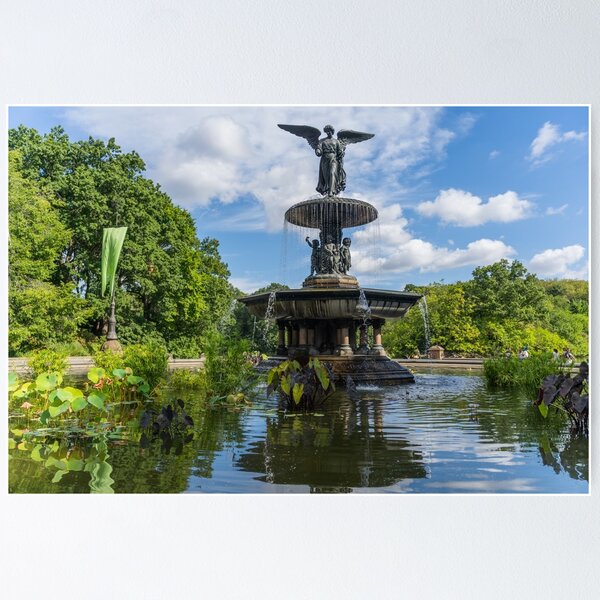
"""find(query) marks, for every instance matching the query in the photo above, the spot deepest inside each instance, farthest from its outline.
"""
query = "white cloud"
(548, 136)
(457, 207)
(560, 262)
(202, 154)
(556, 211)
(494, 154)
(390, 247)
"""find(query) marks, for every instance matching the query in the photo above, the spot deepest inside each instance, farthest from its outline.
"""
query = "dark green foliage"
(502, 308)
(187, 379)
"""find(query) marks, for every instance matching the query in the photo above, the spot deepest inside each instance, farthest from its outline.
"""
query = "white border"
(352, 547)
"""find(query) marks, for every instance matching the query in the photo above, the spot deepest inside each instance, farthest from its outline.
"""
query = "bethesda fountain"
(331, 316)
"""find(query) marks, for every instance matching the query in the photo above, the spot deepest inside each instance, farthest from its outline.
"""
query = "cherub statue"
(345, 259)
(332, 177)
(315, 257)
(330, 258)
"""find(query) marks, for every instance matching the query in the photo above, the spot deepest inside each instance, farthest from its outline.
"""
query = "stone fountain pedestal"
(330, 323)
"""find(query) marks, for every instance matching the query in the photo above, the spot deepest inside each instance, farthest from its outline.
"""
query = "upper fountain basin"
(342, 212)
(331, 303)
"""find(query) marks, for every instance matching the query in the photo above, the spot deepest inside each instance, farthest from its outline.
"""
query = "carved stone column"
(345, 348)
(281, 347)
(302, 334)
(378, 348)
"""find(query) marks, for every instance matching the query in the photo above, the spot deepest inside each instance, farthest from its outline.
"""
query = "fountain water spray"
(425, 314)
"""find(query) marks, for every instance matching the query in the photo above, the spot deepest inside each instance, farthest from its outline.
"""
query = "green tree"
(506, 290)
(171, 286)
(40, 314)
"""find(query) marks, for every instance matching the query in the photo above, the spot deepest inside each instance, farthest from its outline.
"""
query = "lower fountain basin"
(331, 303)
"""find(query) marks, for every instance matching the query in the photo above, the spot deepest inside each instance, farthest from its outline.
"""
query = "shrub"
(48, 361)
(226, 365)
(74, 348)
(108, 360)
(149, 361)
(527, 373)
(184, 378)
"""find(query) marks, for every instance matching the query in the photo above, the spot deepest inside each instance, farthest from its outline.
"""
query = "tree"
(40, 313)
(171, 286)
(505, 290)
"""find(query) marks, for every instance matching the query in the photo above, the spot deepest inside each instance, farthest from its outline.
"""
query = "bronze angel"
(332, 177)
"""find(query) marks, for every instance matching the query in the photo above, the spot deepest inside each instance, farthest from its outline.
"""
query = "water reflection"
(338, 451)
(446, 433)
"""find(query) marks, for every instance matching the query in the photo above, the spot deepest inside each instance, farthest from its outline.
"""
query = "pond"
(447, 433)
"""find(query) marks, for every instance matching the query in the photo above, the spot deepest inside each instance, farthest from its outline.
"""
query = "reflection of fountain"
(330, 311)
(425, 314)
(338, 451)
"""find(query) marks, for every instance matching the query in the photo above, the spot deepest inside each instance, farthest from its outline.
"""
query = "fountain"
(325, 316)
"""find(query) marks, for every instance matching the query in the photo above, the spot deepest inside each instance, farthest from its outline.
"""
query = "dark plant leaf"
(163, 420)
(579, 403)
(145, 420)
(566, 386)
(181, 403)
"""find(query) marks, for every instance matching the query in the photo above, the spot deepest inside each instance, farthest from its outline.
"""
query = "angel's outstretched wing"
(347, 136)
(310, 134)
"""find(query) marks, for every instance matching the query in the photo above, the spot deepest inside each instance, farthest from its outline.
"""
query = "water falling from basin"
(425, 314)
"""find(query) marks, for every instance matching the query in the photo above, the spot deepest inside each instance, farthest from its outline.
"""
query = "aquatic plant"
(567, 394)
(149, 360)
(301, 386)
(528, 373)
(186, 378)
(227, 366)
(103, 392)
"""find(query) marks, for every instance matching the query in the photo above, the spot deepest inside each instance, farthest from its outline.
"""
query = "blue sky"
(456, 187)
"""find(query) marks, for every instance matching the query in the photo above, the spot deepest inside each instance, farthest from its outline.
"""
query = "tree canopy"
(171, 285)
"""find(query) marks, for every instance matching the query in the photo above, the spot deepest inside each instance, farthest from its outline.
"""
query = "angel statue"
(332, 177)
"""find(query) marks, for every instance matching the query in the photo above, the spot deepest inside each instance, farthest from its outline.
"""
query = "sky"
(455, 187)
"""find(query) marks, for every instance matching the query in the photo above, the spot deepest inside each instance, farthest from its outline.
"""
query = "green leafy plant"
(512, 372)
(42, 361)
(103, 392)
(227, 367)
(185, 378)
(302, 386)
(149, 360)
(108, 360)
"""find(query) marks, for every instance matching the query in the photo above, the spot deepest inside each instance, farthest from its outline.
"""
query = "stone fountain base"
(331, 281)
(362, 369)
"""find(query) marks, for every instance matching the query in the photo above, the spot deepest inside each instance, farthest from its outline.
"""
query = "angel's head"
(329, 130)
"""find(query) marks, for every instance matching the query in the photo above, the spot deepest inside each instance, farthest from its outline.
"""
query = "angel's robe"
(332, 177)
